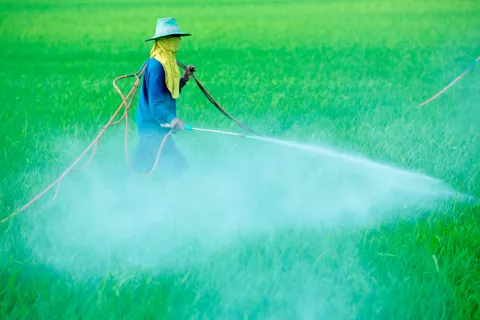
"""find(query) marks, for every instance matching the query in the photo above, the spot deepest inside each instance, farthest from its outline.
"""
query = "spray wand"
(191, 128)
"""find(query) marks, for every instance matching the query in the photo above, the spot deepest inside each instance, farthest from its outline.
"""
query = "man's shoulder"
(154, 65)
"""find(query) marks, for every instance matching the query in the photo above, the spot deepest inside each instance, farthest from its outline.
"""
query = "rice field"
(256, 232)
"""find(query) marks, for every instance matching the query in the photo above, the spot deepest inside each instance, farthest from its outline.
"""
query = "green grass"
(346, 73)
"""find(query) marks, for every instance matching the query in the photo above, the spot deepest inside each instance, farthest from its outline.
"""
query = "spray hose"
(127, 102)
(215, 103)
(470, 67)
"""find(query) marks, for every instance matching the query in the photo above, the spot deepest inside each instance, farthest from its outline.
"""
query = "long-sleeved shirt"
(155, 104)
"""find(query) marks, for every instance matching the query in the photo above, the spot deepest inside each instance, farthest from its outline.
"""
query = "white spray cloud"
(104, 220)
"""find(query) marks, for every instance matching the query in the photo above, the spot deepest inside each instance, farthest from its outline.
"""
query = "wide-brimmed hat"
(167, 27)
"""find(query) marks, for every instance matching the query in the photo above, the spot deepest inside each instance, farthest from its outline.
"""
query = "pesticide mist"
(249, 212)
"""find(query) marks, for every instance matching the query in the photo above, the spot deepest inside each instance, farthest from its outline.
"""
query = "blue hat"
(167, 27)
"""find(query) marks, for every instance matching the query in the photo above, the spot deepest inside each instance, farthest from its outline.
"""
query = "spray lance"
(190, 128)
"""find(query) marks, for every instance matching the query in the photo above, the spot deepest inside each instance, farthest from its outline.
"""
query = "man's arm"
(186, 76)
(156, 97)
(183, 82)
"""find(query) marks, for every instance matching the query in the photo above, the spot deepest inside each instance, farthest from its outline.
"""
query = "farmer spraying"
(159, 92)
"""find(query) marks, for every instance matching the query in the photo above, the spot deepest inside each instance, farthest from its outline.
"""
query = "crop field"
(254, 230)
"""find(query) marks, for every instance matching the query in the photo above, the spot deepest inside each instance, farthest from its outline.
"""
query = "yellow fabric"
(164, 50)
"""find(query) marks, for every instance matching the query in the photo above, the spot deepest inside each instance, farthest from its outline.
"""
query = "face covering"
(164, 51)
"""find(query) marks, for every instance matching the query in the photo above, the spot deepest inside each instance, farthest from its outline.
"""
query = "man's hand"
(189, 70)
(177, 124)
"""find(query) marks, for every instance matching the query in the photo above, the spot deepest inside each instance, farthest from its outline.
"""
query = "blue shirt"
(155, 104)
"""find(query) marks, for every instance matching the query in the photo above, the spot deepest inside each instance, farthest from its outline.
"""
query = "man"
(161, 87)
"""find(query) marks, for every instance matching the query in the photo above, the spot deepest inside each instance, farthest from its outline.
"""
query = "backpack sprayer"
(126, 103)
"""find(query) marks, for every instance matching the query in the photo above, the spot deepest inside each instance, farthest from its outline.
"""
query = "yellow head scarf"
(164, 51)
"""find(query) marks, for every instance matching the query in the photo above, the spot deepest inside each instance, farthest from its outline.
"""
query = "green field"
(342, 73)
